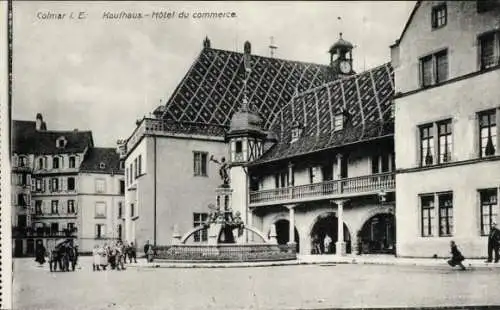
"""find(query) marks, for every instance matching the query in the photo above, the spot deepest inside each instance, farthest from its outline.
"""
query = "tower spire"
(246, 63)
(272, 47)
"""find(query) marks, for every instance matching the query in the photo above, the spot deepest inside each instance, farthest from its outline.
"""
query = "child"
(456, 256)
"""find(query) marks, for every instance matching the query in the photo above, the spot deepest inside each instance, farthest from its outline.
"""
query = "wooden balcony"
(344, 188)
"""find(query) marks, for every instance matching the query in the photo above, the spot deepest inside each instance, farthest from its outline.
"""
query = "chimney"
(39, 123)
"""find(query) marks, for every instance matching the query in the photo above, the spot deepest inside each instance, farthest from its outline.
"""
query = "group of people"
(64, 256)
(113, 255)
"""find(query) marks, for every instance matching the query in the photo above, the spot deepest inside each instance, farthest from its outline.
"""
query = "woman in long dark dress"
(456, 257)
(40, 254)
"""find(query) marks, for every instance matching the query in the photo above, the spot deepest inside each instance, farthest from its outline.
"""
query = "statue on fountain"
(228, 223)
(223, 170)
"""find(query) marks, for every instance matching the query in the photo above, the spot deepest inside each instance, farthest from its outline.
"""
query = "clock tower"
(341, 58)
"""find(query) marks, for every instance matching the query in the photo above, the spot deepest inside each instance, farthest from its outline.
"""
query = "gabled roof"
(212, 89)
(415, 8)
(366, 97)
(27, 140)
(101, 160)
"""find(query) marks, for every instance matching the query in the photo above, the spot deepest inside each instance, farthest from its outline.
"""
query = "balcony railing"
(350, 186)
(18, 232)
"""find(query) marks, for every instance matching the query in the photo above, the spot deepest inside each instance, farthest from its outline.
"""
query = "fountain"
(229, 239)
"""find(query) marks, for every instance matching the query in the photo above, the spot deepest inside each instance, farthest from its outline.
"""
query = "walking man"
(493, 243)
(132, 253)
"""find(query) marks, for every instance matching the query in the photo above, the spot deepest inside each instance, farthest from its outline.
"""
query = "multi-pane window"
(120, 209)
(40, 163)
(20, 200)
(38, 185)
(139, 161)
(122, 187)
(71, 227)
(426, 145)
(281, 179)
(54, 227)
(434, 68)
(72, 162)
(427, 215)
(200, 164)
(135, 170)
(54, 185)
(100, 231)
(100, 186)
(55, 162)
(100, 209)
(445, 141)
(487, 133)
(445, 214)
(71, 184)
(488, 45)
(489, 209)
(54, 207)
(198, 220)
(71, 206)
(38, 207)
(22, 161)
(439, 16)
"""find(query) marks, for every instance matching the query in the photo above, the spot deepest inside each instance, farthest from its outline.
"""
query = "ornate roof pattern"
(366, 97)
(212, 89)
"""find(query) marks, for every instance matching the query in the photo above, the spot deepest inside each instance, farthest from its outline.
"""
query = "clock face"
(345, 67)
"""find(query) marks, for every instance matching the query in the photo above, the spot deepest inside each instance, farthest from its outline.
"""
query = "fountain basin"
(254, 252)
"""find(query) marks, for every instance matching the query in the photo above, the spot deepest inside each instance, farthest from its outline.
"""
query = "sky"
(102, 74)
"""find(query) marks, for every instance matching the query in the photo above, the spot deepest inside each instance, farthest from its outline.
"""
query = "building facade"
(447, 112)
(101, 193)
(237, 109)
(46, 184)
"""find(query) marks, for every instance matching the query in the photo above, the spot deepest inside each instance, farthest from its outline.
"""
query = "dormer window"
(296, 131)
(61, 142)
(102, 165)
(338, 122)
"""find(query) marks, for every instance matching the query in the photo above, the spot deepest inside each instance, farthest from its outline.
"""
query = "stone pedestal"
(273, 235)
(341, 248)
(213, 233)
(176, 236)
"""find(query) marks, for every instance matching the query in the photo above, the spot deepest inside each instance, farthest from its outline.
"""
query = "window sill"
(201, 175)
(99, 217)
(449, 164)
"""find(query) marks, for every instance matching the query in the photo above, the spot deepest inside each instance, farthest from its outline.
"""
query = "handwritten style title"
(126, 15)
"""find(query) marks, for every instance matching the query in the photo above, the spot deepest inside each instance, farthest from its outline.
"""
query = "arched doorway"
(325, 227)
(283, 233)
(378, 234)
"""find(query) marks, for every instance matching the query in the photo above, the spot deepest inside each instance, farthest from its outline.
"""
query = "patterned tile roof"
(27, 140)
(97, 155)
(367, 97)
(212, 89)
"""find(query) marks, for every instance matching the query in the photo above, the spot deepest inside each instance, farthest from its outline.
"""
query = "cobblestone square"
(278, 287)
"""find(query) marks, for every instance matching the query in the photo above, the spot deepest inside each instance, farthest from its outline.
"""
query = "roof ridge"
(275, 58)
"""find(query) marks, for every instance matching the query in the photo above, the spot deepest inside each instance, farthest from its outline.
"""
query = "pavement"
(370, 259)
(322, 284)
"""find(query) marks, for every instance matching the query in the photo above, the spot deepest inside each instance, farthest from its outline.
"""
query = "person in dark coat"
(493, 243)
(456, 257)
(40, 254)
(132, 253)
